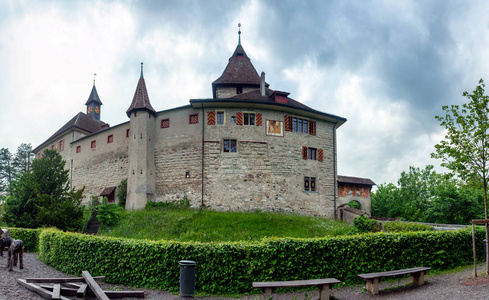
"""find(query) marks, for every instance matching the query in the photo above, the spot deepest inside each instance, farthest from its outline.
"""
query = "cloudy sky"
(386, 66)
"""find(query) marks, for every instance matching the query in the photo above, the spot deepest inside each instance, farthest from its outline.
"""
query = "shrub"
(406, 227)
(230, 268)
(30, 237)
(364, 224)
(108, 214)
(122, 193)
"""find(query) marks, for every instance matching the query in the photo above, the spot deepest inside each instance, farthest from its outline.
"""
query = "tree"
(22, 159)
(42, 197)
(6, 169)
(122, 192)
(465, 149)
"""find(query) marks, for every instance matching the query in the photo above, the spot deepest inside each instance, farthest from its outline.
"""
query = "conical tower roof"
(239, 70)
(141, 98)
(93, 96)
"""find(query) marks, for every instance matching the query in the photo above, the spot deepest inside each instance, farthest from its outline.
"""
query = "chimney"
(262, 83)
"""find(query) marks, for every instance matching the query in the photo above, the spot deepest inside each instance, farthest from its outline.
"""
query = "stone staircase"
(94, 224)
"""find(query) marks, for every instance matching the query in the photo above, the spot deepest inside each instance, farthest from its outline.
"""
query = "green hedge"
(230, 268)
(406, 227)
(30, 237)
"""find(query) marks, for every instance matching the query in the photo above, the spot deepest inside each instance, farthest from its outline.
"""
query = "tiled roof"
(141, 98)
(239, 70)
(93, 97)
(256, 95)
(107, 191)
(82, 122)
(356, 180)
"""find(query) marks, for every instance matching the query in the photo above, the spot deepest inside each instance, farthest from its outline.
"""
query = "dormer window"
(239, 56)
(239, 90)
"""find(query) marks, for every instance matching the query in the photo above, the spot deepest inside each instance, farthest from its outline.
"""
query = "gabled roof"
(355, 180)
(256, 95)
(141, 98)
(93, 96)
(239, 70)
(81, 122)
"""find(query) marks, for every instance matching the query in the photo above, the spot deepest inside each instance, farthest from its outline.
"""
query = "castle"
(247, 148)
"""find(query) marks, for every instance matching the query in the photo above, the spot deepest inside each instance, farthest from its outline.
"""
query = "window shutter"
(211, 118)
(258, 120)
(320, 154)
(312, 127)
(288, 123)
(239, 118)
(304, 152)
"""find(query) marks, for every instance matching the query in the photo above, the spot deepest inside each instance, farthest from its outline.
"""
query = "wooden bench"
(372, 279)
(324, 286)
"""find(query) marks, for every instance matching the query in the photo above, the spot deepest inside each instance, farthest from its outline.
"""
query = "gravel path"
(458, 285)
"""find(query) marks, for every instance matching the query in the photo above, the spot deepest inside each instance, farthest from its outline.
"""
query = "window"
(299, 125)
(233, 119)
(110, 138)
(78, 149)
(165, 123)
(310, 184)
(93, 144)
(127, 133)
(220, 117)
(61, 146)
(239, 90)
(53, 147)
(193, 119)
(229, 146)
(249, 119)
(312, 153)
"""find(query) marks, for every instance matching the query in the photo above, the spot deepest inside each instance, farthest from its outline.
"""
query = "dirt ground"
(460, 285)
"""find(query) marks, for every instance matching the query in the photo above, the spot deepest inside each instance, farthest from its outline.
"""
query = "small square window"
(310, 184)
(110, 138)
(78, 149)
(233, 119)
(249, 119)
(93, 144)
(229, 145)
(220, 118)
(312, 153)
(165, 123)
(194, 119)
(239, 90)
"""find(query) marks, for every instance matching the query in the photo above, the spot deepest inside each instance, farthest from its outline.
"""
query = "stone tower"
(141, 171)
(93, 104)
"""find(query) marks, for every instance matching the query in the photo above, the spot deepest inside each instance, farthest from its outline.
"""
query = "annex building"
(249, 147)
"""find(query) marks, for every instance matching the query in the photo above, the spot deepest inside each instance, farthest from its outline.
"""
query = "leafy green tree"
(42, 197)
(455, 204)
(385, 201)
(465, 149)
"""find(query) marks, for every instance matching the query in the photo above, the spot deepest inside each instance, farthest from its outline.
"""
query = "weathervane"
(141, 69)
(94, 74)
(239, 33)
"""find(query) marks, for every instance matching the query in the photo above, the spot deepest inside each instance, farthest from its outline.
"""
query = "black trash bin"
(187, 278)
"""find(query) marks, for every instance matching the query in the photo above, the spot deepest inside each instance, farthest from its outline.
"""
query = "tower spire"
(141, 69)
(239, 33)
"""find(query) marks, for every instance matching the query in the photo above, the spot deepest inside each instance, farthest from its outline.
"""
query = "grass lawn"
(212, 226)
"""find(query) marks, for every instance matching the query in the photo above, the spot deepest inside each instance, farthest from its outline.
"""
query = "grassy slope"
(212, 226)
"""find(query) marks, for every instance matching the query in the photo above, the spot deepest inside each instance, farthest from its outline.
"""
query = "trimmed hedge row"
(30, 237)
(230, 268)
(406, 227)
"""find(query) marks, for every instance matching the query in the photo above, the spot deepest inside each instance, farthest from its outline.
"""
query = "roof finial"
(239, 33)
(94, 74)
(141, 70)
